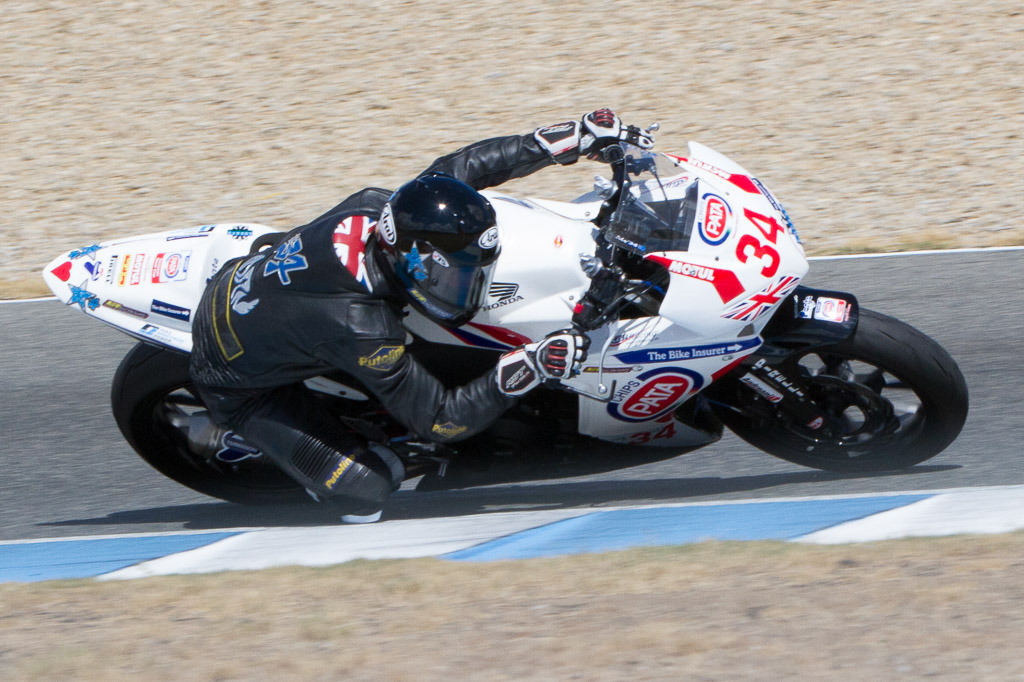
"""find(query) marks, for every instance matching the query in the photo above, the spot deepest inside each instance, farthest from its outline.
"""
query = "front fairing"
(729, 247)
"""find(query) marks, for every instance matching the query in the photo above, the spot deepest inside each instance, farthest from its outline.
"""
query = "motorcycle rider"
(331, 296)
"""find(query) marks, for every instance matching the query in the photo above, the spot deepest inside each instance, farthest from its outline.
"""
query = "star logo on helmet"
(415, 266)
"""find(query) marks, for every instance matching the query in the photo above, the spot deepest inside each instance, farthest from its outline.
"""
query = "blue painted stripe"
(85, 558)
(625, 528)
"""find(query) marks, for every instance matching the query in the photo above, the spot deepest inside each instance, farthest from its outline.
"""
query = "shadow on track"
(416, 505)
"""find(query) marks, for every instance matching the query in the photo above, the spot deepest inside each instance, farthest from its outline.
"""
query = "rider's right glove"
(559, 356)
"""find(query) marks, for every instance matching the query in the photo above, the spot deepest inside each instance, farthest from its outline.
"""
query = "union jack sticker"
(753, 307)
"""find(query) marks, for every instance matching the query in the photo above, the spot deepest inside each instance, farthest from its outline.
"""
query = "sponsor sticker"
(439, 259)
(89, 251)
(121, 308)
(159, 334)
(505, 293)
(82, 298)
(338, 472)
(234, 449)
(382, 359)
(192, 232)
(111, 269)
(651, 355)
(653, 393)
(386, 225)
(761, 388)
(95, 269)
(830, 309)
(170, 310)
(448, 430)
(62, 272)
(138, 263)
(715, 219)
(240, 232)
(428, 305)
(170, 267)
(489, 239)
(826, 309)
(725, 282)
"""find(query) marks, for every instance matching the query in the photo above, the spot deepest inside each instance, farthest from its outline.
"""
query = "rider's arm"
(375, 354)
(489, 163)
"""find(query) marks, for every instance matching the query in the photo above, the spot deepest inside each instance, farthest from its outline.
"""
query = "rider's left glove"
(558, 356)
(603, 128)
(566, 141)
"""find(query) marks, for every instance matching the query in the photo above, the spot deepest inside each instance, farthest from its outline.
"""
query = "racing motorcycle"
(683, 271)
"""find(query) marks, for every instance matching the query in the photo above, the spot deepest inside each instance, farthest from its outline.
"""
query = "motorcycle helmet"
(437, 241)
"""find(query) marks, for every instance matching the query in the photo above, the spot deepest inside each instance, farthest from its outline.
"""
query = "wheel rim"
(870, 408)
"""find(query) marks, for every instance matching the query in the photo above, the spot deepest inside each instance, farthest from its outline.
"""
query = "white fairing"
(741, 261)
(148, 286)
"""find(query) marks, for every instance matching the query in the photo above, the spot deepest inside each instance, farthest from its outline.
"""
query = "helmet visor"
(446, 291)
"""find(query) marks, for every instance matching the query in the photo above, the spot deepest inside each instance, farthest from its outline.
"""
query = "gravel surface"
(946, 609)
(879, 124)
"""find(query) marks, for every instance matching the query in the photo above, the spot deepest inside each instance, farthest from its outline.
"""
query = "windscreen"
(658, 206)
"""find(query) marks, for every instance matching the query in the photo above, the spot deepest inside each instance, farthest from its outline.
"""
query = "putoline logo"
(386, 225)
(654, 393)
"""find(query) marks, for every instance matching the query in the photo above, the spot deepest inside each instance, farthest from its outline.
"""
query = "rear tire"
(153, 399)
(898, 395)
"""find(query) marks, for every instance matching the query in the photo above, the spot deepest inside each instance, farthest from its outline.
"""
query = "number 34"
(749, 245)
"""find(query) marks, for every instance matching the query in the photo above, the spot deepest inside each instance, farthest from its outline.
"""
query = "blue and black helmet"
(439, 237)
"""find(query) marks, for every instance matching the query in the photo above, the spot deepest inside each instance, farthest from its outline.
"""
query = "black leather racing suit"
(271, 320)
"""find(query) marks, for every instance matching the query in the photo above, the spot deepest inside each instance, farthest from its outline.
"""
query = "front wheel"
(894, 397)
(155, 405)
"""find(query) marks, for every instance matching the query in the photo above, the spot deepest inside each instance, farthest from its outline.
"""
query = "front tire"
(897, 397)
(154, 402)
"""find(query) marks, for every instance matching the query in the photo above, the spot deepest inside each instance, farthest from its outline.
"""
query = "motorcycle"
(683, 271)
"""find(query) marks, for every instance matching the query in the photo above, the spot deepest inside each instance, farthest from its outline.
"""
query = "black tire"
(152, 398)
(900, 397)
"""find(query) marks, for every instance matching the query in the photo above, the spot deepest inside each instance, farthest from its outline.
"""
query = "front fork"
(775, 387)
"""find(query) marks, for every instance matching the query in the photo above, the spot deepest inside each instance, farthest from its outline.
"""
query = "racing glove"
(558, 356)
(566, 141)
(603, 128)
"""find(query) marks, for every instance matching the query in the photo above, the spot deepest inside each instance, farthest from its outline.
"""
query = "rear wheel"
(893, 396)
(155, 404)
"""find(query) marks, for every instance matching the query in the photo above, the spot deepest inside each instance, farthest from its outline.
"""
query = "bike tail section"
(148, 286)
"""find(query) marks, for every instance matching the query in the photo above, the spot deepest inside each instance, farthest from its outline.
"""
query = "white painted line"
(955, 513)
(27, 300)
(328, 545)
(933, 252)
(118, 536)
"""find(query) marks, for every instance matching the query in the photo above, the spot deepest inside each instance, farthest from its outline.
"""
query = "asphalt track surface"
(65, 470)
